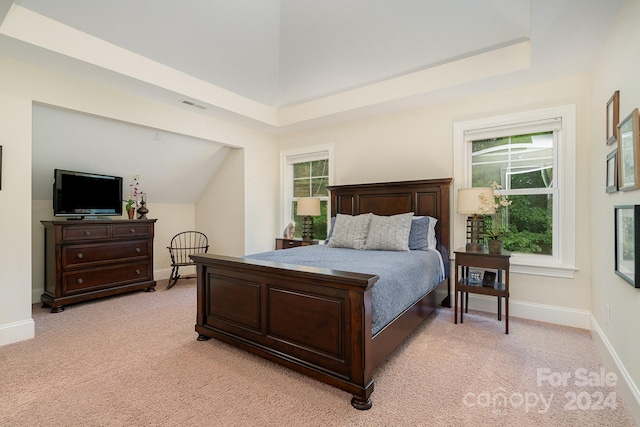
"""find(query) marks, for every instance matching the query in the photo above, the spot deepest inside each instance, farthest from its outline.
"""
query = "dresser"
(90, 259)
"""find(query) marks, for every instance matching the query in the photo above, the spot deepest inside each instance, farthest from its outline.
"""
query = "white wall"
(618, 68)
(417, 144)
(15, 226)
(21, 85)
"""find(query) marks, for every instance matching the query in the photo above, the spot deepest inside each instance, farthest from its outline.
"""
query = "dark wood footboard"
(312, 320)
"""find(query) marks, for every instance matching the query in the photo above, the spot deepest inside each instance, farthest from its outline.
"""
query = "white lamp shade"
(476, 200)
(308, 206)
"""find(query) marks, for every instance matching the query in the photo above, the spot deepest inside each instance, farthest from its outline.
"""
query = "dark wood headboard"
(425, 197)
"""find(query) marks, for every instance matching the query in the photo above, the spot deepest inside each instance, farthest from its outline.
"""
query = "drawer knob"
(138, 272)
(132, 231)
(80, 281)
(80, 256)
(138, 250)
(87, 233)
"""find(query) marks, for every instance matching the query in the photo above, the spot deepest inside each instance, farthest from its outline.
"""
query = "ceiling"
(280, 66)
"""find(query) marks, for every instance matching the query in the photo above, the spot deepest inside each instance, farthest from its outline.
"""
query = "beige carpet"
(133, 360)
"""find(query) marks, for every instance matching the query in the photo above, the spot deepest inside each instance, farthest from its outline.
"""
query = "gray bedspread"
(405, 276)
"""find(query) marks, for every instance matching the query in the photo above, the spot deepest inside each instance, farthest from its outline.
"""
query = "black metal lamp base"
(307, 228)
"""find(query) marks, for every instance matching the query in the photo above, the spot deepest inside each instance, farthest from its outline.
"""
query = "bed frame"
(313, 320)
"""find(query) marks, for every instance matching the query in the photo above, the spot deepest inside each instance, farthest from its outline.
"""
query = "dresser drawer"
(95, 254)
(106, 277)
(88, 232)
(132, 230)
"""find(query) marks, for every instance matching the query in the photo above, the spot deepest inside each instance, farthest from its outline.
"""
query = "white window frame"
(562, 262)
(298, 155)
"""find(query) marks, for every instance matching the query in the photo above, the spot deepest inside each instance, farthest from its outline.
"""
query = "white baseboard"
(628, 388)
(17, 331)
(526, 310)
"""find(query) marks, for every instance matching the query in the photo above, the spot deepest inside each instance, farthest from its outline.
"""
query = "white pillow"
(431, 235)
(389, 233)
(350, 231)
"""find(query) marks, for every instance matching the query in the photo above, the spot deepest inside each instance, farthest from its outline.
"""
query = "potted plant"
(494, 233)
(131, 201)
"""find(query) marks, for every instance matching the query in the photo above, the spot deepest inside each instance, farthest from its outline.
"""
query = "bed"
(318, 320)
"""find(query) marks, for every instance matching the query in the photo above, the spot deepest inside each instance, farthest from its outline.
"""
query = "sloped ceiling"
(284, 65)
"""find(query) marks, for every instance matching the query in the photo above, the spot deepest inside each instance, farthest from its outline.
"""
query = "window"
(306, 173)
(531, 156)
(522, 166)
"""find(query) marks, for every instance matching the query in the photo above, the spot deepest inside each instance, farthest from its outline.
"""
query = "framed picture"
(475, 276)
(629, 153)
(489, 279)
(613, 117)
(612, 171)
(627, 242)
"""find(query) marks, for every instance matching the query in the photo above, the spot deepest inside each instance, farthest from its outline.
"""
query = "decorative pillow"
(431, 236)
(333, 222)
(423, 233)
(418, 240)
(350, 231)
(389, 233)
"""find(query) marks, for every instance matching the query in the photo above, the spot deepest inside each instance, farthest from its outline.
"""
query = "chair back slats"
(187, 243)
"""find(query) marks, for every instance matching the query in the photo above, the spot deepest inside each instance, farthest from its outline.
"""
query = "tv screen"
(80, 194)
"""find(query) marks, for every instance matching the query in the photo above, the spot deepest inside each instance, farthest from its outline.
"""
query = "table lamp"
(475, 201)
(308, 207)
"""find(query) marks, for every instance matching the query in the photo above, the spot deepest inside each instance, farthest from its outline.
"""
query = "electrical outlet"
(608, 314)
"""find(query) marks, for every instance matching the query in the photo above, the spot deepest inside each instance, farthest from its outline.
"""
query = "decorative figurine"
(289, 231)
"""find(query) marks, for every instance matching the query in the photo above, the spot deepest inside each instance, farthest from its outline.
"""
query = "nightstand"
(293, 243)
(464, 284)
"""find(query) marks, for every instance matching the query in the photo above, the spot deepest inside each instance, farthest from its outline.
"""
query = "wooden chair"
(182, 245)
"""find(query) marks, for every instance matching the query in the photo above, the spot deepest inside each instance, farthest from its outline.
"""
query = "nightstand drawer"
(294, 243)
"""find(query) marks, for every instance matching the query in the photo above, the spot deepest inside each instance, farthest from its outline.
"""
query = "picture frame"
(612, 171)
(489, 279)
(613, 117)
(629, 152)
(627, 242)
(474, 276)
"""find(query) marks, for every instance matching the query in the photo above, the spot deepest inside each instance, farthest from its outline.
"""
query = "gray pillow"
(418, 240)
(423, 233)
(389, 233)
(350, 231)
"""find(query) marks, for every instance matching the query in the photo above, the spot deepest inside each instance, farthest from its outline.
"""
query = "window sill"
(543, 270)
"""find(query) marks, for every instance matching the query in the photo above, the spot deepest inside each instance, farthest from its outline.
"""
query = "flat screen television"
(82, 194)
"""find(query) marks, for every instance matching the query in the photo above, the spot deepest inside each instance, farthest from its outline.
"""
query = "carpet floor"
(133, 360)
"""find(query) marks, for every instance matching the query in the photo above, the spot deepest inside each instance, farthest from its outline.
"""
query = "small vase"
(131, 212)
(495, 246)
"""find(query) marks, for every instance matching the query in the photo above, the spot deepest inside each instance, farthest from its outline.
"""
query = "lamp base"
(475, 247)
(307, 228)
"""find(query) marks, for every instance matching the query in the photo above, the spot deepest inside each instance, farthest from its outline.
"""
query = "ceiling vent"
(192, 104)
